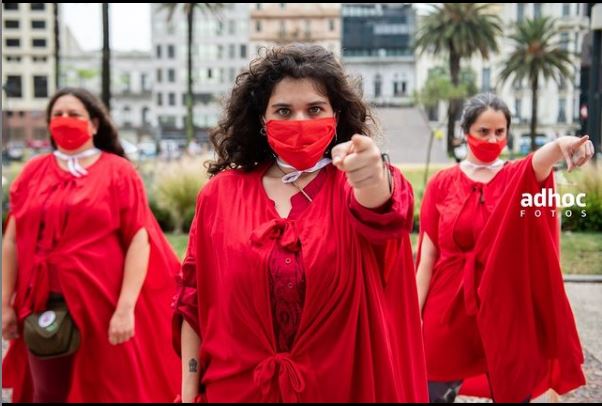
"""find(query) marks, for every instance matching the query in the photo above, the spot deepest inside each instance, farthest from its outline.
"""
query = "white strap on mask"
(73, 161)
(495, 165)
(293, 176)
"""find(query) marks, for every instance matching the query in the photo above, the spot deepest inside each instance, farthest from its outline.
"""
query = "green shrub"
(589, 181)
(164, 217)
(176, 186)
(188, 219)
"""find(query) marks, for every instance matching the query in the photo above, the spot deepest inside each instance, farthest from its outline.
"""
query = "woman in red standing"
(80, 232)
(489, 281)
(298, 282)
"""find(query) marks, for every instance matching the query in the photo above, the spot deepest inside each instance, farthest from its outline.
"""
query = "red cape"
(359, 336)
(513, 293)
(94, 219)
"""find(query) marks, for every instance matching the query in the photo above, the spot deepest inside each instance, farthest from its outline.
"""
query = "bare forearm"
(544, 160)
(423, 281)
(9, 264)
(191, 368)
(136, 267)
(376, 195)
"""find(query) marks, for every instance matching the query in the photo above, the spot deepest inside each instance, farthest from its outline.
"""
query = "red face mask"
(69, 132)
(486, 151)
(301, 143)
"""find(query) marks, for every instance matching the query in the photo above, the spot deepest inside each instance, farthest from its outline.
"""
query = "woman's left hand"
(121, 327)
(577, 151)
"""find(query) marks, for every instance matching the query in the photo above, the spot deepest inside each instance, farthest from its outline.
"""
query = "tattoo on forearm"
(193, 365)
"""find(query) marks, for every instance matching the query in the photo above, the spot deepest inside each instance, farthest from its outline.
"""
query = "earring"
(262, 132)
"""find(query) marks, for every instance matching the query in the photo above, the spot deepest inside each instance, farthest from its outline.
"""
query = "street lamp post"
(595, 88)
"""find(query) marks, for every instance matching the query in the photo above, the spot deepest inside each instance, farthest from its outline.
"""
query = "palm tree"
(535, 57)
(189, 11)
(460, 30)
(106, 58)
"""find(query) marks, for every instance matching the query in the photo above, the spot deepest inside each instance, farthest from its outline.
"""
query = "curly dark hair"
(106, 137)
(237, 139)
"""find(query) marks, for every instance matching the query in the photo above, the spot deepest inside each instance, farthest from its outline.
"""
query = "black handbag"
(51, 333)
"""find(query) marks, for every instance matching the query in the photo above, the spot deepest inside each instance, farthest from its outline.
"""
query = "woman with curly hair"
(298, 279)
(85, 264)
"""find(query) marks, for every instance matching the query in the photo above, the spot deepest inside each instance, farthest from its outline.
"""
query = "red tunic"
(359, 335)
(88, 225)
(492, 266)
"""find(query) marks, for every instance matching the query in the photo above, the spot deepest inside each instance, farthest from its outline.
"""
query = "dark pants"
(51, 378)
(446, 392)
(443, 392)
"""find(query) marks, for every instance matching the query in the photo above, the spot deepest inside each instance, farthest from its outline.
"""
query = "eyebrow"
(315, 103)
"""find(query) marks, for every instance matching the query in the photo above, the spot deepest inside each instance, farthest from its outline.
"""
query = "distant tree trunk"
(106, 58)
(189, 101)
(534, 95)
(57, 54)
(452, 110)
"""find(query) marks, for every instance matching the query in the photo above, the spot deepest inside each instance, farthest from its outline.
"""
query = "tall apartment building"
(220, 52)
(274, 24)
(28, 66)
(378, 49)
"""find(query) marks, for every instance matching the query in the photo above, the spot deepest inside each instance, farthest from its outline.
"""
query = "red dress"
(358, 337)
(496, 302)
(88, 224)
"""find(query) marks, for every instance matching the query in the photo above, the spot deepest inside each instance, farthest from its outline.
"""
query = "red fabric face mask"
(486, 151)
(301, 143)
(69, 133)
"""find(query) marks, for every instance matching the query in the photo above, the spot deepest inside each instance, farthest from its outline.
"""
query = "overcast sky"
(130, 24)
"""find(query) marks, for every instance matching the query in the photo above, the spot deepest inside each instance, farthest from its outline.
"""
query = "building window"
(562, 110)
(564, 40)
(231, 51)
(13, 86)
(38, 6)
(159, 99)
(11, 6)
(486, 80)
(172, 99)
(231, 27)
(143, 81)
(220, 28)
(40, 59)
(520, 12)
(40, 86)
(536, 10)
(257, 6)
(38, 43)
(258, 26)
(282, 6)
(243, 51)
(158, 51)
(8, 24)
(145, 119)
(220, 52)
(38, 24)
(518, 104)
(232, 74)
(159, 75)
(331, 25)
(566, 9)
(171, 75)
(127, 116)
(13, 42)
(11, 58)
(209, 73)
(171, 51)
(378, 84)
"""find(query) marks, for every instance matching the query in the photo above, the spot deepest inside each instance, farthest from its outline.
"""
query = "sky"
(129, 22)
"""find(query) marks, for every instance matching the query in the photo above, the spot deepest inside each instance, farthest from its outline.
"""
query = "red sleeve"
(185, 304)
(388, 221)
(132, 205)
(429, 215)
